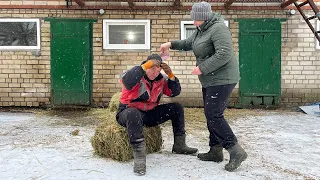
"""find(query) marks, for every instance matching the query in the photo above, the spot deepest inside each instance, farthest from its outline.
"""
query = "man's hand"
(150, 63)
(196, 71)
(167, 70)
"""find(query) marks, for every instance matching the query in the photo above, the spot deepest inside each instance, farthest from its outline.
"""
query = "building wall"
(300, 63)
(25, 75)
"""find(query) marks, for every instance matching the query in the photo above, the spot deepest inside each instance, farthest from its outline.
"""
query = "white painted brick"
(309, 67)
(287, 76)
(305, 63)
(292, 63)
(297, 31)
(4, 2)
(305, 53)
(312, 86)
(295, 72)
(28, 2)
(16, 3)
(303, 44)
(308, 72)
(299, 76)
(297, 67)
(311, 77)
(297, 86)
(308, 39)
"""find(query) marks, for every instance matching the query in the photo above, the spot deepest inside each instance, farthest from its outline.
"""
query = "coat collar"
(214, 18)
(159, 77)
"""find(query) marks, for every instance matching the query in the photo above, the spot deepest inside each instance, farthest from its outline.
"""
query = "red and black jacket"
(141, 93)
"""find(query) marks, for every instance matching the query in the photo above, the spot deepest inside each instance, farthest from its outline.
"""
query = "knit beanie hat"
(201, 11)
(153, 56)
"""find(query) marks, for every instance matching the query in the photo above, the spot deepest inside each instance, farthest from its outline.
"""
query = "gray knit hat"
(201, 11)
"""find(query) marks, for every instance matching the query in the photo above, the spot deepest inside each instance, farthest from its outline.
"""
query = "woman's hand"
(164, 49)
(196, 71)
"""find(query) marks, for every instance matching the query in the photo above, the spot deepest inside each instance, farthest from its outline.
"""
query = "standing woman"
(218, 71)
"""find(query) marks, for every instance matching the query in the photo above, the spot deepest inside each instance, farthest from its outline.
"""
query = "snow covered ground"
(280, 145)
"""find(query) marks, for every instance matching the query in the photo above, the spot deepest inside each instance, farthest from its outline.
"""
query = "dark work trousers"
(134, 119)
(215, 100)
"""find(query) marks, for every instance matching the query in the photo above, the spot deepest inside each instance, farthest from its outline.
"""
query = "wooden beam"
(287, 3)
(79, 2)
(228, 3)
(170, 8)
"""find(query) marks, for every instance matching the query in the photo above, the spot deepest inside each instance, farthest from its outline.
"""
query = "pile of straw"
(111, 140)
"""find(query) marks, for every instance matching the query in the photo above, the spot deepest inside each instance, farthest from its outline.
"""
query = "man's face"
(153, 72)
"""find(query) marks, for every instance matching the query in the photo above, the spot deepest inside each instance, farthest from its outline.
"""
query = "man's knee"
(131, 116)
(132, 112)
(177, 107)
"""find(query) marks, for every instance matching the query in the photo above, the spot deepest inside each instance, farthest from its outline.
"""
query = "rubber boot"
(139, 154)
(237, 156)
(215, 154)
(180, 146)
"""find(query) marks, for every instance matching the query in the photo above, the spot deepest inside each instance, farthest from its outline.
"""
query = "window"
(19, 34)
(187, 28)
(318, 29)
(126, 34)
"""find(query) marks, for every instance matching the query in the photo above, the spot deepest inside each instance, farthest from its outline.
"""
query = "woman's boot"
(237, 156)
(215, 154)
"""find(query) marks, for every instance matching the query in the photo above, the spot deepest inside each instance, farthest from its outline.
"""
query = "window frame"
(105, 37)
(37, 21)
(185, 24)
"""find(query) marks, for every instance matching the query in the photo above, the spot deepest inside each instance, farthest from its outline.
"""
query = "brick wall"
(25, 77)
(300, 63)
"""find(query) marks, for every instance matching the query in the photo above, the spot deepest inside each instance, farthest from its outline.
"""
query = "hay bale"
(114, 102)
(111, 140)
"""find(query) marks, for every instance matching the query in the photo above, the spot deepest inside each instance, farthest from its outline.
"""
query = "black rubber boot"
(237, 156)
(180, 146)
(139, 154)
(215, 154)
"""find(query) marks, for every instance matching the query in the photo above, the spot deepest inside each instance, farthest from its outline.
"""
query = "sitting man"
(142, 89)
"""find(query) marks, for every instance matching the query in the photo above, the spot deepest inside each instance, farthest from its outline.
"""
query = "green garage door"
(71, 61)
(260, 61)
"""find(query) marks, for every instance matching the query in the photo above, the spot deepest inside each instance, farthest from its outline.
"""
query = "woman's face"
(153, 72)
(198, 23)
